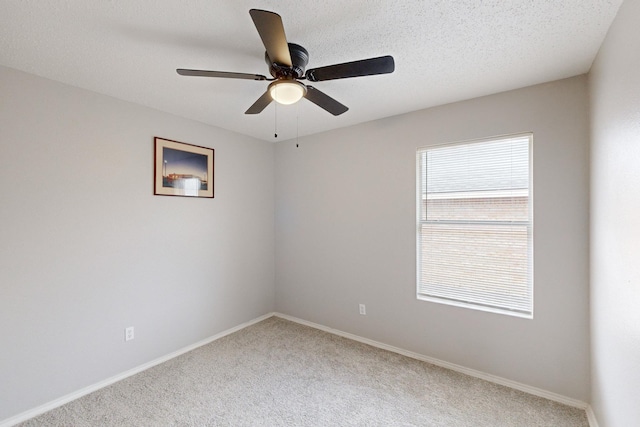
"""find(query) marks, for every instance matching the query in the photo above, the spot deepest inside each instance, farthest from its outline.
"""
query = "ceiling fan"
(287, 62)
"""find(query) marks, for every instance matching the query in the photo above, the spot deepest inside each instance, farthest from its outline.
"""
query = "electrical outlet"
(363, 309)
(128, 333)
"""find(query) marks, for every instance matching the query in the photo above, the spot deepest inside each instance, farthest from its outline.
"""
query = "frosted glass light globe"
(287, 91)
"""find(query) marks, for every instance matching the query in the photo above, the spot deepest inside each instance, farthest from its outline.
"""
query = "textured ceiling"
(444, 50)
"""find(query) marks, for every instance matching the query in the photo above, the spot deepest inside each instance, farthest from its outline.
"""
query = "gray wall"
(345, 234)
(615, 223)
(87, 249)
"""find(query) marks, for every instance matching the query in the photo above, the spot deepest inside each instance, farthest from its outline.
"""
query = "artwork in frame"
(182, 169)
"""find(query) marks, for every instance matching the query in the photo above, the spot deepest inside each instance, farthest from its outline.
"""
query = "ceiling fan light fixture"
(287, 91)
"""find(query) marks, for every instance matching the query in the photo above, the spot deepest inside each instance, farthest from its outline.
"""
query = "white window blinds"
(475, 226)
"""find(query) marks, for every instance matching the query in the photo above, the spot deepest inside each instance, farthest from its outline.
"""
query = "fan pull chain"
(297, 123)
(275, 124)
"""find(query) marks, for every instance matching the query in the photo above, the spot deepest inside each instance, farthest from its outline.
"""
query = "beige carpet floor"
(280, 373)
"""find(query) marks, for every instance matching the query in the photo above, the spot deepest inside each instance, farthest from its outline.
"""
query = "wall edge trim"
(458, 368)
(591, 417)
(39, 410)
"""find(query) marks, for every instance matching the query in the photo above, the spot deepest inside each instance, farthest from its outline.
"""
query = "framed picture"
(182, 169)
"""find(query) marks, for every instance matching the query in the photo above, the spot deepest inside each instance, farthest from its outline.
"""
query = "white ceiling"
(444, 50)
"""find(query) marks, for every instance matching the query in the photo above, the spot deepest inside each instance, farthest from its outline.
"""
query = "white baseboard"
(471, 372)
(97, 386)
(591, 417)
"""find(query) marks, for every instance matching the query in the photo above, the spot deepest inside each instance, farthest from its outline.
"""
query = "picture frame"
(182, 169)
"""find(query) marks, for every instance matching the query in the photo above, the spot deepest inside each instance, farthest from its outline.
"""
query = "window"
(474, 228)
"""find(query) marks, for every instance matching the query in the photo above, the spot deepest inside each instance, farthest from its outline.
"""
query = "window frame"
(529, 224)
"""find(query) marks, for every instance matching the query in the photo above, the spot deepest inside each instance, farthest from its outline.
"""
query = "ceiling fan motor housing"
(299, 61)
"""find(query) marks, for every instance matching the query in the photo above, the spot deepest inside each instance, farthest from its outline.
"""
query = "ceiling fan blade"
(224, 74)
(324, 101)
(271, 30)
(364, 67)
(260, 104)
